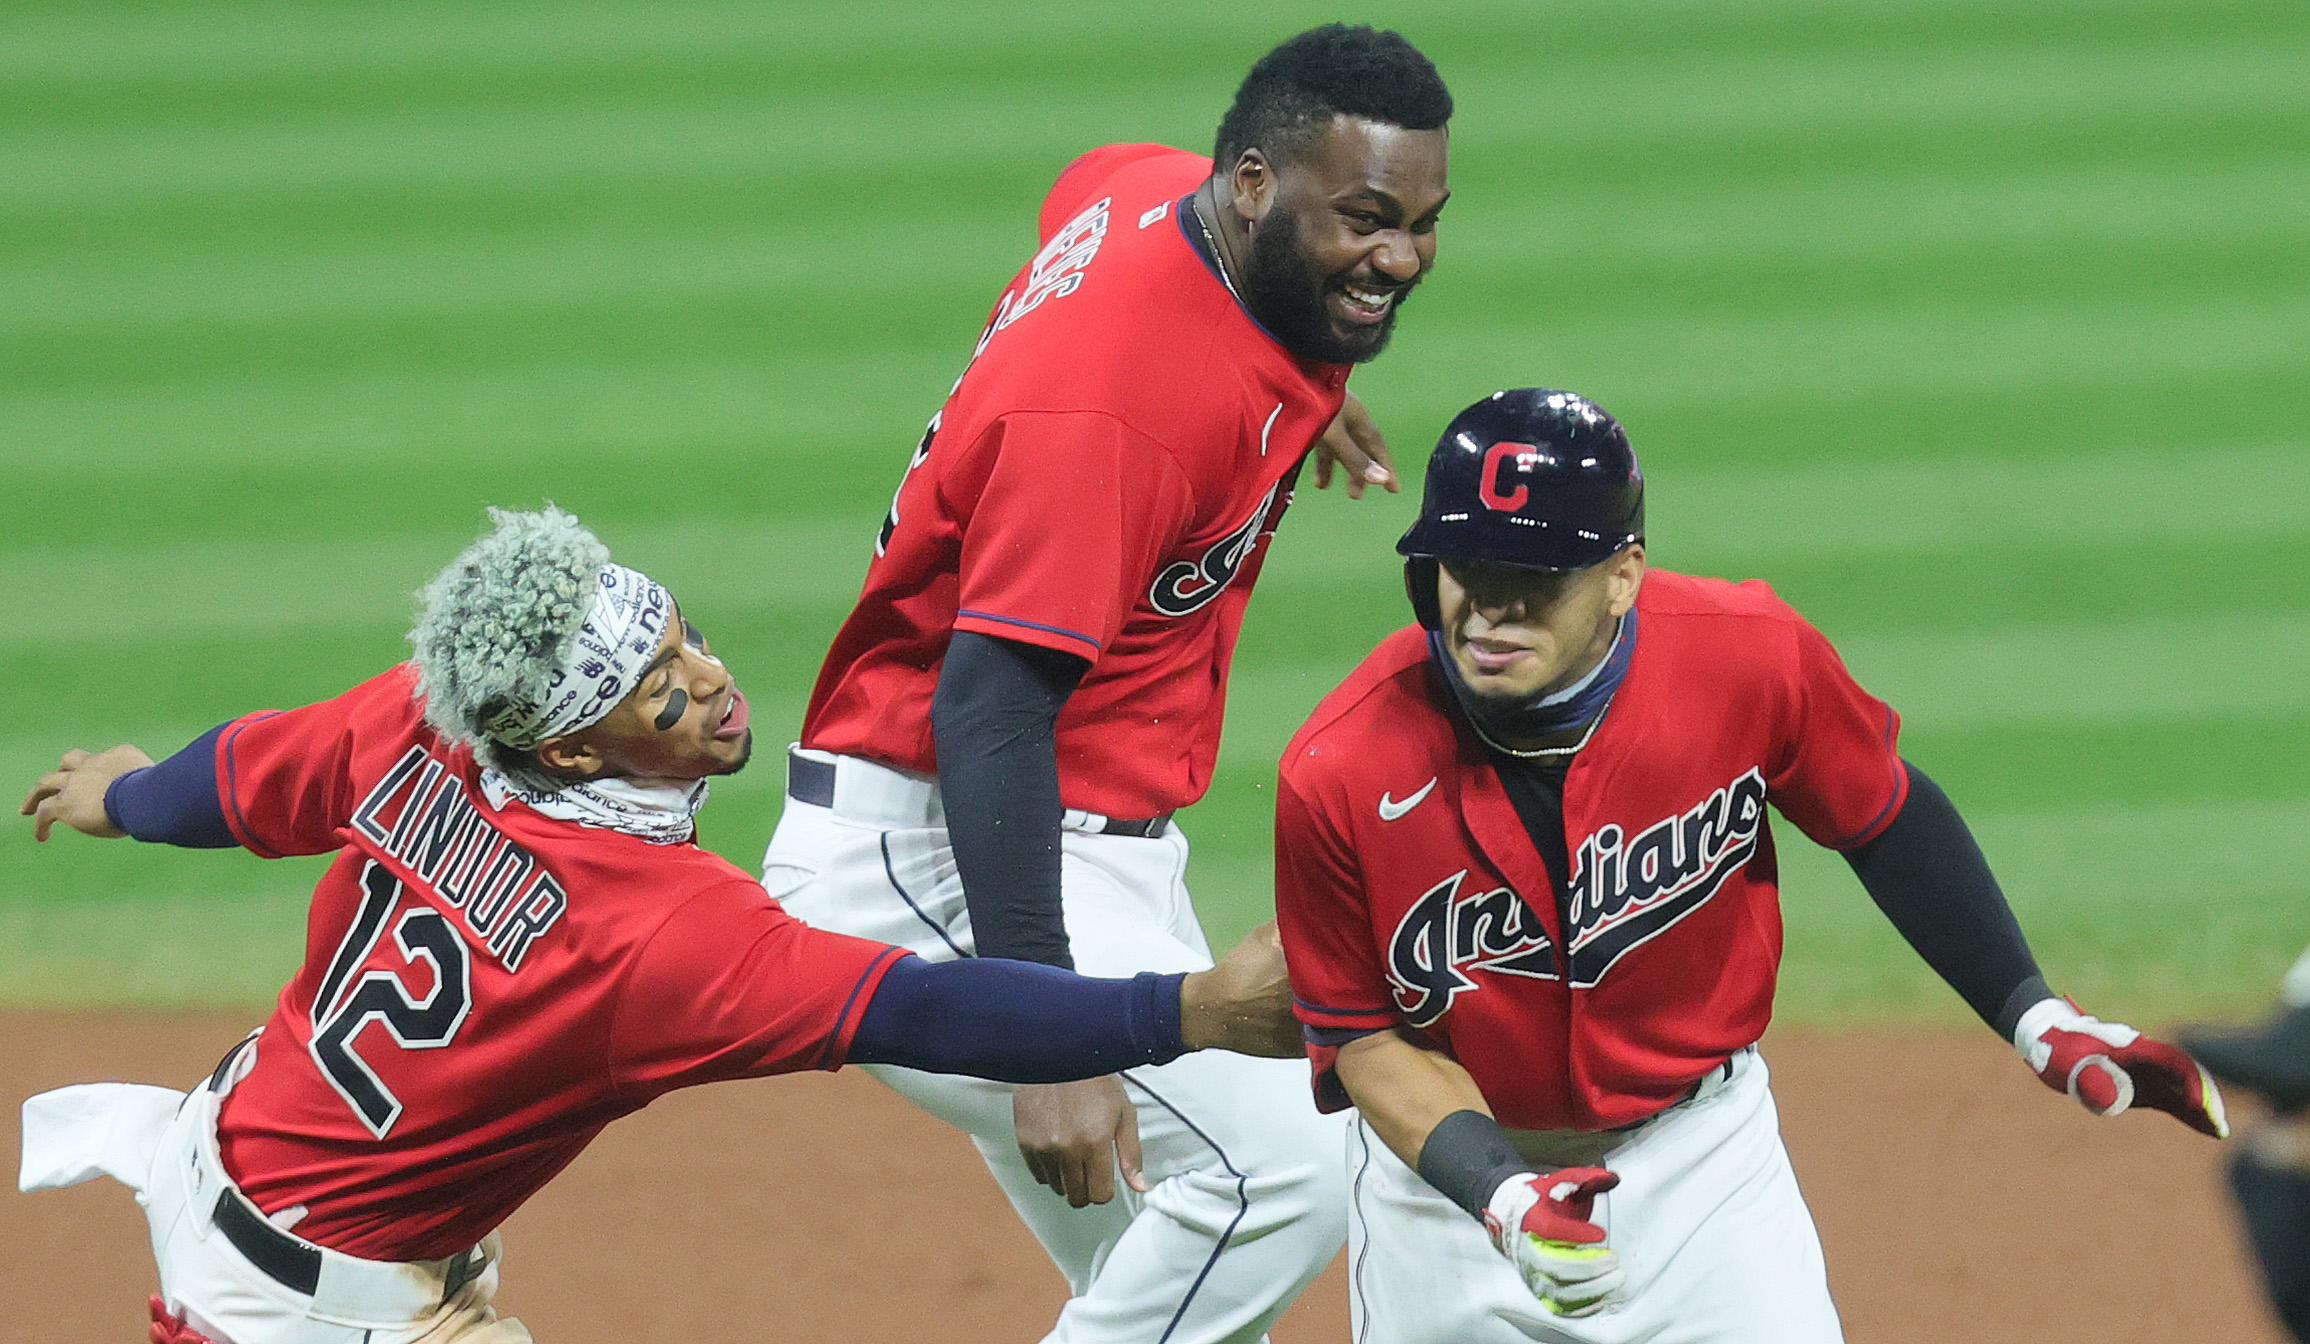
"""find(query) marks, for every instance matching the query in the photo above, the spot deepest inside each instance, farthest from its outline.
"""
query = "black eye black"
(692, 636)
(677, 704)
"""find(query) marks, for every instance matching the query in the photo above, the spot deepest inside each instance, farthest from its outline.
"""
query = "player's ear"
(571, 757)
(1251, 187)
(1625, 577)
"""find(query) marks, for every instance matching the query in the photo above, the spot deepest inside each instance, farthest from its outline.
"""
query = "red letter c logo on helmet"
(1488, 482)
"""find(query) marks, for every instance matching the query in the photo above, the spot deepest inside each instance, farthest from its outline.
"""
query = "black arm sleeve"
(995, 719)
(175, 801)
(1016, 1022)
(1927, 874)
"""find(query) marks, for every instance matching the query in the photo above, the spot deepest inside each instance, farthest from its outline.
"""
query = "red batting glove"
(169, 1328)
(1541, 1223)
(2108, 1067)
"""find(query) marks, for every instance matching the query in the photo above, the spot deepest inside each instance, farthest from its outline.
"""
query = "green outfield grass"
(1982, 331)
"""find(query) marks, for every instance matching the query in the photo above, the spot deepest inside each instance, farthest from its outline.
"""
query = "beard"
(1285, 291)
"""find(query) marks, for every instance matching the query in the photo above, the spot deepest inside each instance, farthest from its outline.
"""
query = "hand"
(1074, 1135)
(1540, 1222)
(2109, 1066)
(73, 793)
(1244, 1003)
(1353, 442)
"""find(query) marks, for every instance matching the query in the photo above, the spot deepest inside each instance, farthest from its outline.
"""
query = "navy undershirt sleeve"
(174, 802)
(1017, 1022)
(1926, 873)
(995, 720)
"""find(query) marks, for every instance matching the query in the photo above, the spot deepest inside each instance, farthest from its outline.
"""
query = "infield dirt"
(1958, 1201)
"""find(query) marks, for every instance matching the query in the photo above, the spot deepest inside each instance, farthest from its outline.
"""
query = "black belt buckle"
(1144, 829)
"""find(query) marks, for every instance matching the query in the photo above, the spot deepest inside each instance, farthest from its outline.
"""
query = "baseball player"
(517, 943)
(1033, 679)
(1526, 884)
(2270, 1173)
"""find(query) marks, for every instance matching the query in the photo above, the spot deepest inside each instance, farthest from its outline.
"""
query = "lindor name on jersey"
(1625, 891)
(420, 816)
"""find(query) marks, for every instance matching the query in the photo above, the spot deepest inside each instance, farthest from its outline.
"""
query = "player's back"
(484, 986)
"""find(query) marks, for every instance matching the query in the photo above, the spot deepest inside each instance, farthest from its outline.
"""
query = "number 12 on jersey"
(341, 1011)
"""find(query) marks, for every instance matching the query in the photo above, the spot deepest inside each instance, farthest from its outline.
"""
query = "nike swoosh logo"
(1390, 809)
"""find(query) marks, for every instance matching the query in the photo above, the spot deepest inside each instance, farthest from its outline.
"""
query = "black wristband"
(2025, 996)
(1466, 1157)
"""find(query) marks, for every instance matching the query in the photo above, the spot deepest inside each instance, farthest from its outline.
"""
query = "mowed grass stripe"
(1929, 227)
(2089, 886)
(1678, 97)
(2036, 676)
(1834, 345)
(248, 587)
(1719, 519)
(94, 43)
(1861, 348)
(2143, 911)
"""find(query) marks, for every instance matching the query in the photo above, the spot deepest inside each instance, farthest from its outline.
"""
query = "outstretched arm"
(1927, 874)
(121, 792)
(1019, 1022)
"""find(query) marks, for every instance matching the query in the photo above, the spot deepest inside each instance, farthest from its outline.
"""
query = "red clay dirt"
(1958, 1199)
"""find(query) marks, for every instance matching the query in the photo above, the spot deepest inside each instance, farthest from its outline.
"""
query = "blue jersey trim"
(1031, 625)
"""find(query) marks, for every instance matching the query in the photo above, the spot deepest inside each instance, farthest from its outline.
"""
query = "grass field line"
(1723, 519)
(1902, 217)
(1670, 99)
(893, 258)
(2094, 888)
(2036, 675)
(123, 599)
(576, 403)
(1672, 353)
(194, 42)
(1863, 346)
(577, 262)
(1717, 519)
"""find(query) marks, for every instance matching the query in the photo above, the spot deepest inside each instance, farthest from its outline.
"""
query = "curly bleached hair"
(495, 626)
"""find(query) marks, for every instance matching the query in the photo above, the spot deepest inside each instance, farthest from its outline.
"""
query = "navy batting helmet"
(1531, 477)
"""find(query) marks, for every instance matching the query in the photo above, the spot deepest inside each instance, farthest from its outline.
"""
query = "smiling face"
(1517, 634)
(1340, 233)
(684, 720)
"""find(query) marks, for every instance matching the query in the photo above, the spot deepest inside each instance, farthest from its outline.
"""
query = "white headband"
(620, 636)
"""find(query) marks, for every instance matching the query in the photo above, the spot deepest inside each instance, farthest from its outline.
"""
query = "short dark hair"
(1290, 97)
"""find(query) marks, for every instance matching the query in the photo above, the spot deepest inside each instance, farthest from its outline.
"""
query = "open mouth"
(1365, 304)
(734, 715)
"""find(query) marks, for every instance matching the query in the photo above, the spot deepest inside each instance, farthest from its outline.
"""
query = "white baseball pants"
(1247, 1203)
(162, 1145)
(1707, 1220)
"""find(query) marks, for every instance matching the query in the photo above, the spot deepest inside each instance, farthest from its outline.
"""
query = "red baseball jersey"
(1410, 893)
(484, 989)
(1103, 480)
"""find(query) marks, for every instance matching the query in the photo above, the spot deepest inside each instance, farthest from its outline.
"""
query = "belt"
(296, 1264)
(343, 1289)
(811, 779)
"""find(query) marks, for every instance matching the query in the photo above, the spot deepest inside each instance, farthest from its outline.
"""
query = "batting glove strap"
(2110, 1067)
(1541, 1224)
